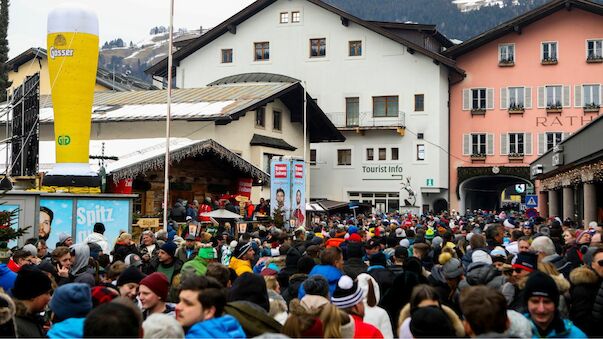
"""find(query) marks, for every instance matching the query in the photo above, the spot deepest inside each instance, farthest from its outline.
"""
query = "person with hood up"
(70, 304)
(241, 258)
(80, 271)
(97, 237)
(198, 265)
(482, 272)
(201, 310)
(31, 294)
(330, 268)
(178, 212)
(374, 314)
(541, 297)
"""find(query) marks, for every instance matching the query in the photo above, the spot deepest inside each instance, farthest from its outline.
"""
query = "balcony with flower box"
(549, 61)
(516, 109)
(478, 111)
(478, 157)
(365, 121)
(554, 108)
(516, 157)
(509, 62)
(594, 59)
(591, 108)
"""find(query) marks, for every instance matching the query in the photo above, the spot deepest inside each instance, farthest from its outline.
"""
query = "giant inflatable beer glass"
(72, 62)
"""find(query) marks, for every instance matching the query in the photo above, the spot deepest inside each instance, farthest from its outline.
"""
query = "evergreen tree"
(4, 82)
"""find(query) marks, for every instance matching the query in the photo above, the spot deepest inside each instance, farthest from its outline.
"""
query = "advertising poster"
(14, 220)
(114, 214)
(298, 192)
(245, 185)
(280, 189)
(56, 217)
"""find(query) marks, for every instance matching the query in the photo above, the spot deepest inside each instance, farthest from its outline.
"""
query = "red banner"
(245, 185)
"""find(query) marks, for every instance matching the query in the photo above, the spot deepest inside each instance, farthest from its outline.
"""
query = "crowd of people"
(482, 274)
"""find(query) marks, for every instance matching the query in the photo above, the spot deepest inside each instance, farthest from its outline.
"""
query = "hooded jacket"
(68, 328)
(253, 318)
(331, 273)
(240, 266)
(28, 325)
(225, 326)
(7, 278)
(374, 315)
(585, 284)
(98, 239)
(295, 282)
(198, 265)
(80, 271)
(457, 323)
(480, 273)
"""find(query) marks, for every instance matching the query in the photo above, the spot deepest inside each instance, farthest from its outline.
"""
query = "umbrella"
(222, 214)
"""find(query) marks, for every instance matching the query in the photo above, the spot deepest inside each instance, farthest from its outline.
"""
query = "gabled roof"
(230, 25)
(422, 28)
(516, 24)
(104, 77)
(262, 140)
(220, 103)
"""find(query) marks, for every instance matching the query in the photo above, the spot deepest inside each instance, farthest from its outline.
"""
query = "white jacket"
(100, 240)
(375, 316)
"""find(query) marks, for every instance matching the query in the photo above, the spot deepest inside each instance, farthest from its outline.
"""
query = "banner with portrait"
(298, 192)
(280, 189)
(56, 217)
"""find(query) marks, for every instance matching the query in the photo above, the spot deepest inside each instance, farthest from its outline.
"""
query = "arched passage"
(484, 192)
(440, 205)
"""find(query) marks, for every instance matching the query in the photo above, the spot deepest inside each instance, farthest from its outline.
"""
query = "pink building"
(530, 83)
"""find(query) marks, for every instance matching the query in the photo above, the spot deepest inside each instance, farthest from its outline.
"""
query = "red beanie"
(158, 283)
(354, 237)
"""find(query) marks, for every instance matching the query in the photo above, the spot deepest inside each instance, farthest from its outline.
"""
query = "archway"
(440, 205)
(484, 192)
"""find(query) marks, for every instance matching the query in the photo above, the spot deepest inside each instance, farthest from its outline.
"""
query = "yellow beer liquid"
(72, 64)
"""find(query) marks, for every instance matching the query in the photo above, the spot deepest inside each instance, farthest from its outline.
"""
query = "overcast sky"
(130, 20)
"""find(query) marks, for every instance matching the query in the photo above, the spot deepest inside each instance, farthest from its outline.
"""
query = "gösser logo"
(64, 140)
(60, 52)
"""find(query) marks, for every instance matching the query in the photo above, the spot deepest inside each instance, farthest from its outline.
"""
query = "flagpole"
(166, 181)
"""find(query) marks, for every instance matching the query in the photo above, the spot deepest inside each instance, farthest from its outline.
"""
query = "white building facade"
(385, 86)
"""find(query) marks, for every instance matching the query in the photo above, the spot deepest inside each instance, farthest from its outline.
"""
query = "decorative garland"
(592, 172)
(198, 148)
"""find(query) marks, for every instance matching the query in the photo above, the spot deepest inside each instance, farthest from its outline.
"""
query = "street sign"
(531, 201)
(429, 182)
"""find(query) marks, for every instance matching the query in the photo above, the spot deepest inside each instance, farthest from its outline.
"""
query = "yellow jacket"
(240, 266)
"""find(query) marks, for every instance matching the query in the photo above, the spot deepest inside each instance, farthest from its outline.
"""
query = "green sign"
(429, 182)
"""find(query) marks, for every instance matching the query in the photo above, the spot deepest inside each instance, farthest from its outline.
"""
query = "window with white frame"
(478, 98)
(370, 154)
(552, 139)
(506, 53)
(420, 152)
(554, 97)
(284, 17)
(516, 97)
(594, 50)
(592, 96)
(549, 51)
(516, 143)
(295, 17)
(344, 157)
(478, 144)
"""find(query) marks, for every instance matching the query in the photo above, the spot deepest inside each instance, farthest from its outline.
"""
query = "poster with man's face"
(280, 188)
(56, 216)
(298, 190)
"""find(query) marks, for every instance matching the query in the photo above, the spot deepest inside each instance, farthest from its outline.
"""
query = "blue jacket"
(7, 278)
(68, 328)
(571, 331)
(331, 273)
(225, 326)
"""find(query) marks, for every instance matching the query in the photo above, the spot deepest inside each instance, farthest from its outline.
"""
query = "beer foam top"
(72, 18)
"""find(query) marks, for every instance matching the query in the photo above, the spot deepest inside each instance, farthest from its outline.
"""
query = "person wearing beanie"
(103, 294)
(31, 294)
(198, 265)
(541, 298)
(188, 250)
(241, 258)
(430, 322)
(153, 294)
(70, 304)
(160, 325)
(200, 311)
(97, 237)
(168, 264)
(348, 297)
(354, 264)
(129, 281)
(64, 240)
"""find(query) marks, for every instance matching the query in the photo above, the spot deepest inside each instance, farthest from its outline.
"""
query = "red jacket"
(364, 330)
(334, 242)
